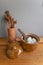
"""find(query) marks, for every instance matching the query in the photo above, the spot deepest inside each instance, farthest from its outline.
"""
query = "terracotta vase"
(12, 34)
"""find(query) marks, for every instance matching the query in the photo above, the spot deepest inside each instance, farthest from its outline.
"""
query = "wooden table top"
(26, 58)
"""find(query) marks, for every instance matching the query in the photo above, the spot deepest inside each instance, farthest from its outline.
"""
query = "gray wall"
(29, 15)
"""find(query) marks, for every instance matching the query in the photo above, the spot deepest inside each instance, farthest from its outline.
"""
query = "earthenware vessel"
(13, 50)
(12, 34)
(29, 46)
(11, 25)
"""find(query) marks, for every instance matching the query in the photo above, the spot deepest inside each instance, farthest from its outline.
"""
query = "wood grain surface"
(26, 58)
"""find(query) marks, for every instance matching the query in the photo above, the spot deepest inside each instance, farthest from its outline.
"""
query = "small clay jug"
(12, 34)
(13, 50)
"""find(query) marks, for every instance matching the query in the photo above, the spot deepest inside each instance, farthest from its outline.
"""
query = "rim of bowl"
(32, 35)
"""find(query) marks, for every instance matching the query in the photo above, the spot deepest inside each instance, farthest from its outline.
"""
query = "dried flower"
(9, 19)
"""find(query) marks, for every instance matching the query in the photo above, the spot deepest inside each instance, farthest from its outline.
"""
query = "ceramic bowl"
(29, 46)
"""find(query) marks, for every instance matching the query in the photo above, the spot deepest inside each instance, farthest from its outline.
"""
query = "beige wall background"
(29, 15)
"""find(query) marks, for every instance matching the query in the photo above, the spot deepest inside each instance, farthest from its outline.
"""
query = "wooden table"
(26, 58)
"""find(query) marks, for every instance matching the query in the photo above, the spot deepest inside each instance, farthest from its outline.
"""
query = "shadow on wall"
(3, 27)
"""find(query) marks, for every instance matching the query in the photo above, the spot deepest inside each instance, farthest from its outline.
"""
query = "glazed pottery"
(29, 46)
(13, 50)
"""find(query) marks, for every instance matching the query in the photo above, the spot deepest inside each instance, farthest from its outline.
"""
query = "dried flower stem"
(9, 19)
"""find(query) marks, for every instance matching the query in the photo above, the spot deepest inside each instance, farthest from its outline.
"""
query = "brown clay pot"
(12, 34)
(13, 50)
(27, 46)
